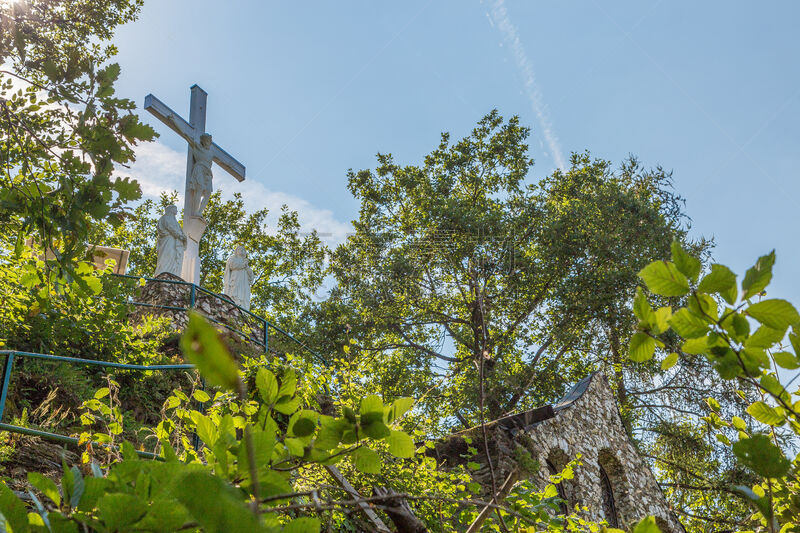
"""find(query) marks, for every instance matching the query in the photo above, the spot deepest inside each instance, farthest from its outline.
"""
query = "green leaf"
(762, 456)
(688, 325)
(641, 307)
(659, 320)
(765, 414)
(118, 511)
(401, 445)
(764, 337)
(288, 384)
(642, 347)
(203, 347)
(695, 346)
(719, 280)
(774, 313)
(688, 265)
(758, 277)
(201, 396)
(367, 461)
(669, 361)
(399, 407)
(304, 425)
(214, 504)
(287, 407)
(786, 360)
(647, 525)
(330, 433)
(663, 278)
(13, 511)
(371, 404)
(267, 385)
(375, 430)
(302, 525)
(46, 486)
(739, 423)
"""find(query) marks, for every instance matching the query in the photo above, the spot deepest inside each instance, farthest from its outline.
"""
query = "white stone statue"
(238, 278)
(171, 243)
(200, 182)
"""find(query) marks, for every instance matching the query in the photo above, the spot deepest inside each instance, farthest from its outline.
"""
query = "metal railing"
(8, 368)
(262, 338)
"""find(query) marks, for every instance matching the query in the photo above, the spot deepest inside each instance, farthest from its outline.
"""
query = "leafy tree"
(63, 131)
(747, 339)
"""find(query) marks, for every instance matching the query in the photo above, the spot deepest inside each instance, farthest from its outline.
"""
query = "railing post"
(192, 297)
(266, 337)
(6, 381)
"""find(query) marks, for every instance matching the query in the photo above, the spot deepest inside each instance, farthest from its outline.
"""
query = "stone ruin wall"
(586, 422)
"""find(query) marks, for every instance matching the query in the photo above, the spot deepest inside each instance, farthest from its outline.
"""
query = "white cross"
(193, 223)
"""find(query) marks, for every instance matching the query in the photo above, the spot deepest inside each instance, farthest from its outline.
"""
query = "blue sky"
(302, 91)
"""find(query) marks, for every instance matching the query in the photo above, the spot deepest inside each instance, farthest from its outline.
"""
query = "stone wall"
(586, 422)
(171, 297)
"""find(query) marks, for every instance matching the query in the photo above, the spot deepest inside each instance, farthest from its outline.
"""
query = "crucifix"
(202, 151)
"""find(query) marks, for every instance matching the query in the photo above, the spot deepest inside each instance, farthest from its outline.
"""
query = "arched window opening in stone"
(556, 460)
(612, 486)
(609, 506)
(559, 487)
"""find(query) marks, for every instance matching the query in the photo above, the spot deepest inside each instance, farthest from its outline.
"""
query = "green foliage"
(63, 131)
(722, 335)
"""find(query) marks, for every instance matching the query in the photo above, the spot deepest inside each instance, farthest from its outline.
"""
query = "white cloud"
(509, 31)
(159, 168)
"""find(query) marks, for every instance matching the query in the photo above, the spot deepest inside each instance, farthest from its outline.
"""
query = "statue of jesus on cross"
(200, 182)
(202, 152)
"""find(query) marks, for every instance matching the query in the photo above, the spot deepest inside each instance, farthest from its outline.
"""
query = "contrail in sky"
(500, 17)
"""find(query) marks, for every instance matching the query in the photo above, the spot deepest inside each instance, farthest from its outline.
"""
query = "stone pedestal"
(162, 297)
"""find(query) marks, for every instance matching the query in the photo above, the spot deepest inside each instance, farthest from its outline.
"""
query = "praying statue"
(238, 278)
(171, 243)
(200, 182)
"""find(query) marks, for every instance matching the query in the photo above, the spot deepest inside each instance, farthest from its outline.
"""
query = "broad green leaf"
(375, 430)
(647, 525)
(775, 313)
(330, 433)
(719, 280)
(765, 414)
(688, 325)
(118, 511)
(758, 277)
(304, 425)
(13, 511)
(764, 337)
(267, 385)
(288, 384)
(739, 423)
(695, 346)
(398, 408)
(669, 361)
(401, 445)
(688, 265)
(46, 486)
(663, 278)
(659, 320)
(786, 360)
(287, 407)
(641, 307)
(214, 504)
(201, 396)
(642, 347)
(203, 347)
(762, 456)
(367, 461)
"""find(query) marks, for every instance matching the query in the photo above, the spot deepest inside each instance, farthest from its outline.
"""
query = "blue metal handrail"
(9, 365)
